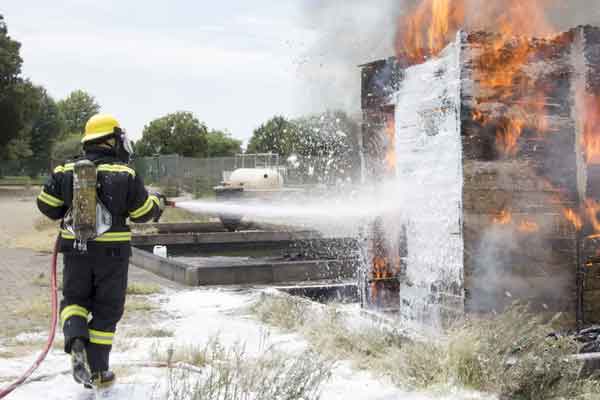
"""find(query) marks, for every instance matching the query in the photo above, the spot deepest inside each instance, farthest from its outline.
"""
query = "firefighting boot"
(81, 370)
(102, 379)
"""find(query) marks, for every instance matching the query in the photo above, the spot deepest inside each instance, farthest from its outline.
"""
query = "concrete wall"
(259, 273)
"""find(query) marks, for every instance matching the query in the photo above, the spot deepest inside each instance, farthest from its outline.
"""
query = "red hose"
(7, 390)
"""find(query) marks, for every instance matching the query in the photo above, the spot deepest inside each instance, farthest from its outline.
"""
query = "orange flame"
(592, 208)
(479, 116)
(380, 268)
(525, 226)
(591, 128)
(499, 71)
(431, 26)
(504, 218)
(508, 135)
(573, 218)
(434, 23)
(528, 227)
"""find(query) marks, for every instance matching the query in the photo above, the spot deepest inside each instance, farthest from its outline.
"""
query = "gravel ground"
(26, 240)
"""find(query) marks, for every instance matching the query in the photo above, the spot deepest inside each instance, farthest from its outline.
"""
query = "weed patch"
(151, 333)
(513, 354)
(231, 374)
(138, 304)
(143, 289)
(37, 310)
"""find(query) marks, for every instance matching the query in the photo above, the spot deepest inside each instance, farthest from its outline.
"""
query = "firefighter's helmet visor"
(127, 144)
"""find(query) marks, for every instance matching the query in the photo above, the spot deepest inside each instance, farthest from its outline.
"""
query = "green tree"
(67, 148)
(47, 125)
(177, 133)
(278, 135)
(30, 120)
(77, 108)
(42, 127)
(12, 95)
(221, 144)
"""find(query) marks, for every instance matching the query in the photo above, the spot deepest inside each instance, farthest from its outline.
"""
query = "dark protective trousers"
(94, 289)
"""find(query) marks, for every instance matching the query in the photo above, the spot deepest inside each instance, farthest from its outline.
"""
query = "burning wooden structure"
(495, 144)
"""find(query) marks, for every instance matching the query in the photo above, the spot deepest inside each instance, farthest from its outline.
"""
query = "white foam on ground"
(196, 316)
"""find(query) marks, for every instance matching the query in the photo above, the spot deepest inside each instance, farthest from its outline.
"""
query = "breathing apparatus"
(87, 218)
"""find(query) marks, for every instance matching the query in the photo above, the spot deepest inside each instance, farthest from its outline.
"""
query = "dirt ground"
(26, 241)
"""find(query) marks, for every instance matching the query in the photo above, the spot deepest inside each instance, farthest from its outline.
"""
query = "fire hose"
(54, 296)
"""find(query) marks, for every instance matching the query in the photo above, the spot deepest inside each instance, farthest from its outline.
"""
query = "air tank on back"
(84, 202)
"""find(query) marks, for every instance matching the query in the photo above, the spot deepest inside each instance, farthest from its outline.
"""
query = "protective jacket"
(120, 189)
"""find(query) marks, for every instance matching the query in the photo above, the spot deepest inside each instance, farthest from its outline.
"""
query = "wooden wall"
(590, 42)
(518, 245)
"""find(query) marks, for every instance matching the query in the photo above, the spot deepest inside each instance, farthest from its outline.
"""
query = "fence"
(201, 174)
(297, 171)
(24, 168)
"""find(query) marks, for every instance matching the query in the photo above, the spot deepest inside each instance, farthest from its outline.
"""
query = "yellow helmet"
(100, 125)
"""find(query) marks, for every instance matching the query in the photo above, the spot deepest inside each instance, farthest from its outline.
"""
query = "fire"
(591, 127)
(592, 208)
(479, 116)
(504, 218)
(381, 268)
(508, 135)
(528, 226)
(433, 24)
(384, 268)
(499, 73)
(573, 218)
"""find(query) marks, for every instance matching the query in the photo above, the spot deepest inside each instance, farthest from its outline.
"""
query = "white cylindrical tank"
(256, 178)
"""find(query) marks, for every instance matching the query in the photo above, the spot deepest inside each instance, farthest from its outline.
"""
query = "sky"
(234, 64)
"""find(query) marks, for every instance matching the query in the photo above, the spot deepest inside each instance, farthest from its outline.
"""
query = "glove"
(162, 203)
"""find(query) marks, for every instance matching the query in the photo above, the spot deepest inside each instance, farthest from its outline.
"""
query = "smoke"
(558, 14)
(568, 14)
(353, 32)
(349, 33)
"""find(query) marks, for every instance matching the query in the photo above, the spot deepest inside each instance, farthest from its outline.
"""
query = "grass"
(43, 280)
(151, 333)
(138, 304)
(37, 310)
(20, 181)
(193, 355)
(41, 238)
(139, 288)
(24, 346)
(9, 353)
(512, 354)
(230, 373)
(42, 224)
(176, 215)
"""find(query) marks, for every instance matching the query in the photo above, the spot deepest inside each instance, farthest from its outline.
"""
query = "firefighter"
(95, 278)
